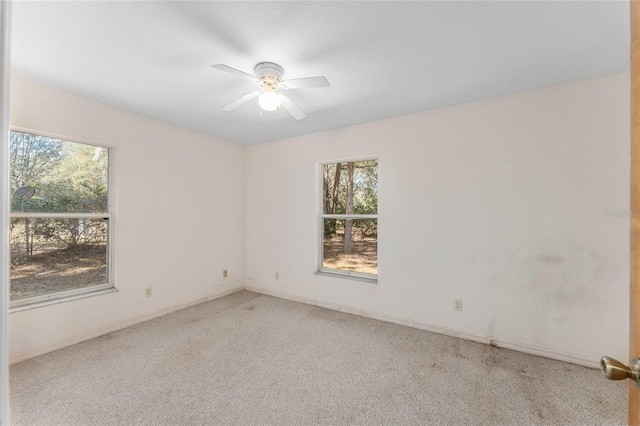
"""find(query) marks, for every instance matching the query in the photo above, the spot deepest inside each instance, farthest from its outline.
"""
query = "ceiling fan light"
(269, 101)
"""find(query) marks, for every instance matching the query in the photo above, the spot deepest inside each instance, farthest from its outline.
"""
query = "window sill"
(372, 280)
(62, 300)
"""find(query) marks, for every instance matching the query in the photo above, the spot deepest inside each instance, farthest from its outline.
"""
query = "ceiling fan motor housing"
(270, 75)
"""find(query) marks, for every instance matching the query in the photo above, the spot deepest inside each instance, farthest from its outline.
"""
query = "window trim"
(338, 273)
(78, 293)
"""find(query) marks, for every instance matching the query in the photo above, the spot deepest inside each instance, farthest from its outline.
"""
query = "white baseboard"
(238, 286)
(516, 346)
(32, 353)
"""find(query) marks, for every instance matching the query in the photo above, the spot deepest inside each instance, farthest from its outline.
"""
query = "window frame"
(77, 293)
(338, 273)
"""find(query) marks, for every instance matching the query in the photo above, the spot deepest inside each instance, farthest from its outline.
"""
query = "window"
(349, 219)
(60, 218)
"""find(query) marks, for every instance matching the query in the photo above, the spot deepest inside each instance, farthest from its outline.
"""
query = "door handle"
(615, 370)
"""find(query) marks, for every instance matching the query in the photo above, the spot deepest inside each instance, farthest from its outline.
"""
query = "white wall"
(179, 212)
(500, 203)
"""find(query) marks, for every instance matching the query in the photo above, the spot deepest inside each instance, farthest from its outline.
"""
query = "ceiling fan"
(269, 78)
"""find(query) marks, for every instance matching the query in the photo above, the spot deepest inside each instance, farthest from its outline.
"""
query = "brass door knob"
(615, 370)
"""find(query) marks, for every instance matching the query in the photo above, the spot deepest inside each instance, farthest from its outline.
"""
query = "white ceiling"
(383, 59)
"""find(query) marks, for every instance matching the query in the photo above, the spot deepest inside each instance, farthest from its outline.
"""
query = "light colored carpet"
(253, 359)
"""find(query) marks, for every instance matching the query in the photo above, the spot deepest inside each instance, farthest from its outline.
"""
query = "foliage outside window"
(349, 218)
(59, 227)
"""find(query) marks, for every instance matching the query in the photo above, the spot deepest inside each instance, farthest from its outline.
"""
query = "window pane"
(350, 187)
(52, 255)
(56, 176)
(356, 254)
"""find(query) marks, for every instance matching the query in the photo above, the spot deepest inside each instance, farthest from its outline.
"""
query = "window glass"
(56, 176)
(57, 255)
(361, 253)
(350, 217)
(59, 227)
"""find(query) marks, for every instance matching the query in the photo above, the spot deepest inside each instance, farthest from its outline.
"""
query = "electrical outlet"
(277, 275)
(147, 292)
(457, 304)
(225, 273)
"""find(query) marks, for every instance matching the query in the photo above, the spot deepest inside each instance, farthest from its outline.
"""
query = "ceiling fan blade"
(306, 83)
(291, 108)
(235, 72)
(242, 99)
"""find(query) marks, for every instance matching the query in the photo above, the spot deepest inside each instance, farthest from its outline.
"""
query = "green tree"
(77, 184)
(68, 177)
(30, 158)
(350, 188)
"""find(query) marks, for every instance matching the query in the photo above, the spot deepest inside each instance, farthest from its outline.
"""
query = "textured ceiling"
(383, 59)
